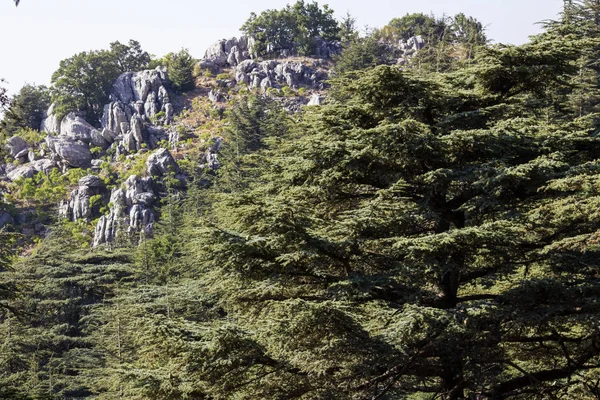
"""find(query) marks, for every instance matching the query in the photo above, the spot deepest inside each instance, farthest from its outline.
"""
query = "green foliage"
(361, 53)
(180, 68)
(423, 234)
(47, 189)
(84, 81)
(129, 57)
(27, 109)
(294, 27)
(447, 39)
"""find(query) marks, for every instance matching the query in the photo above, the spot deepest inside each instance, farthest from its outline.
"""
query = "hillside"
(308, 213)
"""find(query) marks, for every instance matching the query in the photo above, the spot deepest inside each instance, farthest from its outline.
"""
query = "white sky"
(39, 33)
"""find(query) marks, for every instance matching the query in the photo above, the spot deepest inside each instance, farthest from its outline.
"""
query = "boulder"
(23, 171)
(161, 162)
(78, 205)
(51, 123)
(43, 165)
(6, 219)
(216, 53)
(75, 127)
(16, 145)
(315, 100)
(73, 153)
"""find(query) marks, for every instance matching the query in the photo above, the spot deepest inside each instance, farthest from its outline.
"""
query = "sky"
(35, 36)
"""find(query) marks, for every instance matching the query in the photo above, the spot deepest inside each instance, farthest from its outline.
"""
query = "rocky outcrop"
(227, 52)
(79, 206)
(277, 74)
(14, 173)
(137, 97)
(131, 211)
(409, 48)
(17, 146)
(51, 123)
(69, 151)
(5, 219)
(20, 172)
(232, 52)
(210, 159)
(161, 163)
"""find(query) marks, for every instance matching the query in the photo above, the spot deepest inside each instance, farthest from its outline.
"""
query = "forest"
(430, 230)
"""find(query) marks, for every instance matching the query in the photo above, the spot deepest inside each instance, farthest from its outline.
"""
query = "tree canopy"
(425, 233)
(83, 82)
(293, 28)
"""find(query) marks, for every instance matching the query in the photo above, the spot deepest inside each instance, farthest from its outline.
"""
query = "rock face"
(51, 123)
(276, 74)
(232, 52)
(69, 151)
(161, 162)
(228, 52)
(407, 49)
(79, 206)
(210, 158)
(16, 146)
(136, 98)
(130, 213)
(6, 219)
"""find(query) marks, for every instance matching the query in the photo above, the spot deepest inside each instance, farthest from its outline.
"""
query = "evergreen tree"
(27, 109)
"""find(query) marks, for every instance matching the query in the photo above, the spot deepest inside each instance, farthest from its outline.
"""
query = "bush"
(181, 70)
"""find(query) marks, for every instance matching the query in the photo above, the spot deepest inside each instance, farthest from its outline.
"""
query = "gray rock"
(210, 158)
(161, 162)
(98, 140)
(142, 93)
(266, 83)
(246, 66)
(43, 165)
(73, 153)
(16, 145)
(51, 123)
(130, 212)
(75, 127)
(216, 97)
(23, 171)
(78, 205)
(115, 114)
(137, 127)
(315, 100)
(108, 135)
(216, 53)
(23, 155)
(6, 219)
(169, 113)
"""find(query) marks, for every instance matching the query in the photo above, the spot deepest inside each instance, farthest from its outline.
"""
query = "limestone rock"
(78, 205)
(216, 53)
(6, 219)
(16, 145)
(51, 123)
(74, 153)
(130, 213)
(161, 162)
(75, 127)
(315, 100)
(23, 171)
(43, 165)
